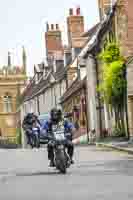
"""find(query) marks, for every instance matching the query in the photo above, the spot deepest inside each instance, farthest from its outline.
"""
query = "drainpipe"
(55, 98)
(38, 105)
(98, 97)
(78, 69)
(87, 117)
(66, 79)
(126, 105)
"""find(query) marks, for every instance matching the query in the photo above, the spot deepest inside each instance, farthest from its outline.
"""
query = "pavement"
(98, 174)
(124, 146)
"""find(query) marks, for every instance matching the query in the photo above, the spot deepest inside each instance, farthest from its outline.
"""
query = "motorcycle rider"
(56, 119)
(29, 120)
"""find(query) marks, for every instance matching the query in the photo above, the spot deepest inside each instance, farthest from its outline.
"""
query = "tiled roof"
(94, 43)
(27, 91)
(35, 89)
(91, 31)
(39, 88)
(60, 73)
(75, 86)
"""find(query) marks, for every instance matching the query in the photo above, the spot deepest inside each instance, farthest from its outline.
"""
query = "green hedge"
(18, 136)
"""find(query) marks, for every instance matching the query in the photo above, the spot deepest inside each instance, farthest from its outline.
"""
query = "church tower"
(24, 60)
(9, 59)
(12, 83)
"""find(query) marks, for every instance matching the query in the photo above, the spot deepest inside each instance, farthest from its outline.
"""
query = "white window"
(7, 103)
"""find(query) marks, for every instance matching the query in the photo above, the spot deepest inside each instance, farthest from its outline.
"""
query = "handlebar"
(50, 137)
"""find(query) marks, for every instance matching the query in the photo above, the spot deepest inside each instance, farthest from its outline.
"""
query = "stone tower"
(9, 59)
(12, 78)
(24, 60)
(75, 26)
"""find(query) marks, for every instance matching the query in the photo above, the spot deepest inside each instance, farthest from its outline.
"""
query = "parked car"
(42, 119)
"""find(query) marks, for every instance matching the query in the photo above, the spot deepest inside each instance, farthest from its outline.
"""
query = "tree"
(114, 85)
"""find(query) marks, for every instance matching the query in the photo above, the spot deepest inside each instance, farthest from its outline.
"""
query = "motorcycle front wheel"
(36, 141)
(62, 162)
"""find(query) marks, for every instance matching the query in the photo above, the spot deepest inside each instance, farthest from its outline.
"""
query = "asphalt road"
(97, 174)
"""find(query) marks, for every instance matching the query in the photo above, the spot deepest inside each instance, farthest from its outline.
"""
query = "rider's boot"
(51, 164)
(72, 161)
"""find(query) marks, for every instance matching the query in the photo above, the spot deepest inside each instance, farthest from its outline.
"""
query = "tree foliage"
(111, 53)
(113, 86)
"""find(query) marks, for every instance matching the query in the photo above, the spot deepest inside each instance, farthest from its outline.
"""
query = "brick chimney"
(53, 41)
(75, 26)
(71, 11)
(78, 11)
(52, 27)
(57, 26)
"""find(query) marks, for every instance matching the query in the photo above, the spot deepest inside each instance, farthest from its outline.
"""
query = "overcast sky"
(22, 22)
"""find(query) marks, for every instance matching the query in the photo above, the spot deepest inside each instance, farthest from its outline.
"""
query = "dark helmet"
(30, 118)
(56, 115)
(29, 115)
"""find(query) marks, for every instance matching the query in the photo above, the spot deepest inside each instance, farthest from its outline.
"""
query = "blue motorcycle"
(36, 137)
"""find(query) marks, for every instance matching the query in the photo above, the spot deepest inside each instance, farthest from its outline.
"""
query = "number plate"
(60, 147)
(59, 136)
(35, 131)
